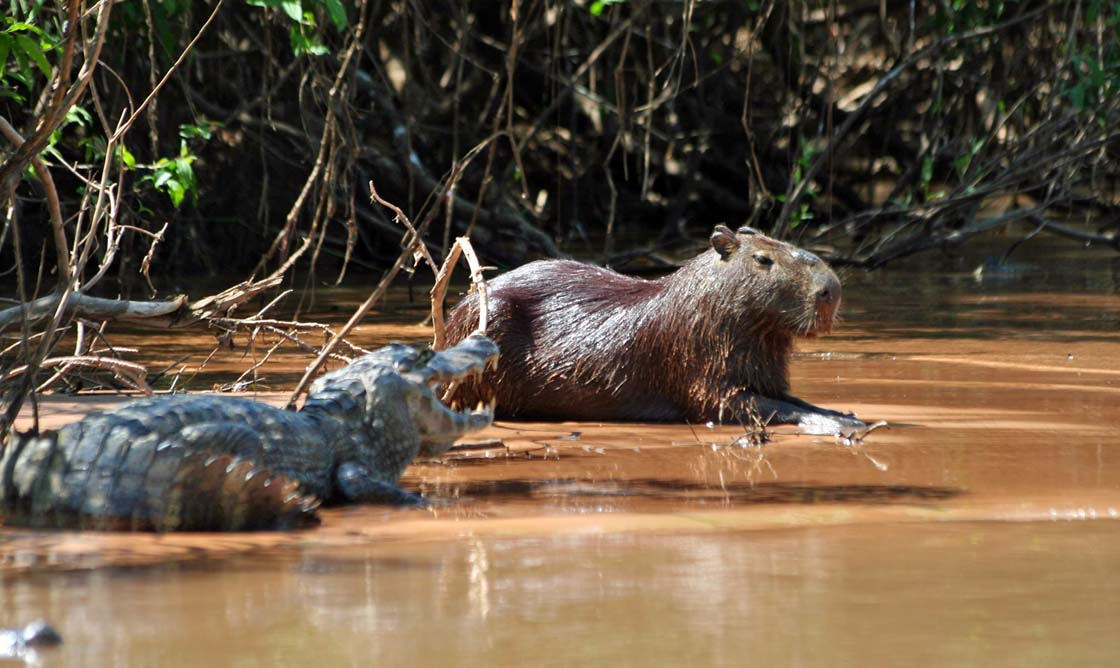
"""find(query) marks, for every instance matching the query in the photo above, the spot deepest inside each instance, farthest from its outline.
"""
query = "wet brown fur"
(582, 342)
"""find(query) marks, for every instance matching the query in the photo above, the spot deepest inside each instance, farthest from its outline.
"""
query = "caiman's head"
(401, 386)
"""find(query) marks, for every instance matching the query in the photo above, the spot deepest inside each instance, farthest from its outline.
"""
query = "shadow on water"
(684, 492)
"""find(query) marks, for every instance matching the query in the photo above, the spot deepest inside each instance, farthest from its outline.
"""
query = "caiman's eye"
(763, 259)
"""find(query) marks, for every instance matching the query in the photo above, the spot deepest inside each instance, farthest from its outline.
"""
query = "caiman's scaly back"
(197, 462)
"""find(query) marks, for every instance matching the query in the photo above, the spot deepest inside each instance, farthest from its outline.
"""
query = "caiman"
(213, 463)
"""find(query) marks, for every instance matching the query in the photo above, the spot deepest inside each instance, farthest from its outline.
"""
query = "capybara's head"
(777, 284)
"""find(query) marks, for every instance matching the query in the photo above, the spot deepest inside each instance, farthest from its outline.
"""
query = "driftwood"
(175, 312)
(92, 308)
(461, 247)
(134, 374)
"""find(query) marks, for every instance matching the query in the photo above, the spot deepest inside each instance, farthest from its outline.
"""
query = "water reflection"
(944, 594)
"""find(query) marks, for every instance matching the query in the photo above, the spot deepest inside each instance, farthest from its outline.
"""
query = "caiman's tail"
(45, 484)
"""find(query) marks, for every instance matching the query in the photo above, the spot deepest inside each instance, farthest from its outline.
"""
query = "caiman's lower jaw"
(439, 425)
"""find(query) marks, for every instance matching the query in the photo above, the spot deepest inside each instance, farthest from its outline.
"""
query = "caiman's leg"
(358, 486)
(810, 419)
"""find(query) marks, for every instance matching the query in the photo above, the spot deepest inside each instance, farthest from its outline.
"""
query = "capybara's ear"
(724, 241)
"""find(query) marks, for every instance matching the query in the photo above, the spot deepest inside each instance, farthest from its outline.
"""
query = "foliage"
(303, 32)
(608, 118)
(24, 47)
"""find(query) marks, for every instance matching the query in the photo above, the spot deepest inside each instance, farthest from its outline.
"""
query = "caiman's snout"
(439, 425)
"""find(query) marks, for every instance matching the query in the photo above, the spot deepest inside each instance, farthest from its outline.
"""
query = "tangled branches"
(239, 140)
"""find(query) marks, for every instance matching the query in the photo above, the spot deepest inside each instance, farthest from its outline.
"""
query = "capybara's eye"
(763, 259)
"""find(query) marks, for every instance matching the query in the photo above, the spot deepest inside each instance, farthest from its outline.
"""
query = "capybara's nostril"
(824, 295)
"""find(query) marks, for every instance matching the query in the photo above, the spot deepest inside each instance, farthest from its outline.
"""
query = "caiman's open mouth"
(440, 425)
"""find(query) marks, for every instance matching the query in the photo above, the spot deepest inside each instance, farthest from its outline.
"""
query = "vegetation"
(240, 136)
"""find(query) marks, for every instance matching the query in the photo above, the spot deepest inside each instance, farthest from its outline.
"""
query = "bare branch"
(61, 249)
(410, 248)
(134, 373)
(85, 306)
(462, 246)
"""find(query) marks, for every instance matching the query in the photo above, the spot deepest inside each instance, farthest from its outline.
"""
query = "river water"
(980, 528)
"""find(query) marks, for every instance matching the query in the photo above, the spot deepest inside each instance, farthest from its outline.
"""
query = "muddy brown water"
(980, 529)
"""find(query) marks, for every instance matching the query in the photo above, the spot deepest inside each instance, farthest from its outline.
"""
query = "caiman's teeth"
(479, 406)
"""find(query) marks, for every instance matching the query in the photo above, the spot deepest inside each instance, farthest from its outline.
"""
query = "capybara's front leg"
(788, 409)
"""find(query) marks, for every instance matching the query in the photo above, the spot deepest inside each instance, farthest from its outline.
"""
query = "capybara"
(584, 343)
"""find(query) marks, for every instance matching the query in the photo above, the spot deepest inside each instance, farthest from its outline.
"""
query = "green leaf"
(962, 163)
(293, 8)
(78, 115)
(175, 191)
(1077, 95)
(94, 148)
(11, 95)
(204, 130)
(598, 6)
(162, 177)
(337, 12)
(184, 170)
(32, 51)
(5, 46)
(302, 44)
(20, 26)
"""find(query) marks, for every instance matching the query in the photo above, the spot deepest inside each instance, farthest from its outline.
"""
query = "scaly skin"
(207, 463)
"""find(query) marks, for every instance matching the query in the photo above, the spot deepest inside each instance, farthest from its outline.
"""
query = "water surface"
(979, 529)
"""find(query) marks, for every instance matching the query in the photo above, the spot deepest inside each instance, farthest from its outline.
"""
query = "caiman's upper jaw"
(439, 425)
(470, 357)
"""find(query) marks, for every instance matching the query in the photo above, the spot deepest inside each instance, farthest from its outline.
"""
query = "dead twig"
(461, 247)
(413, 241)
(131, 372)
(94, 308)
